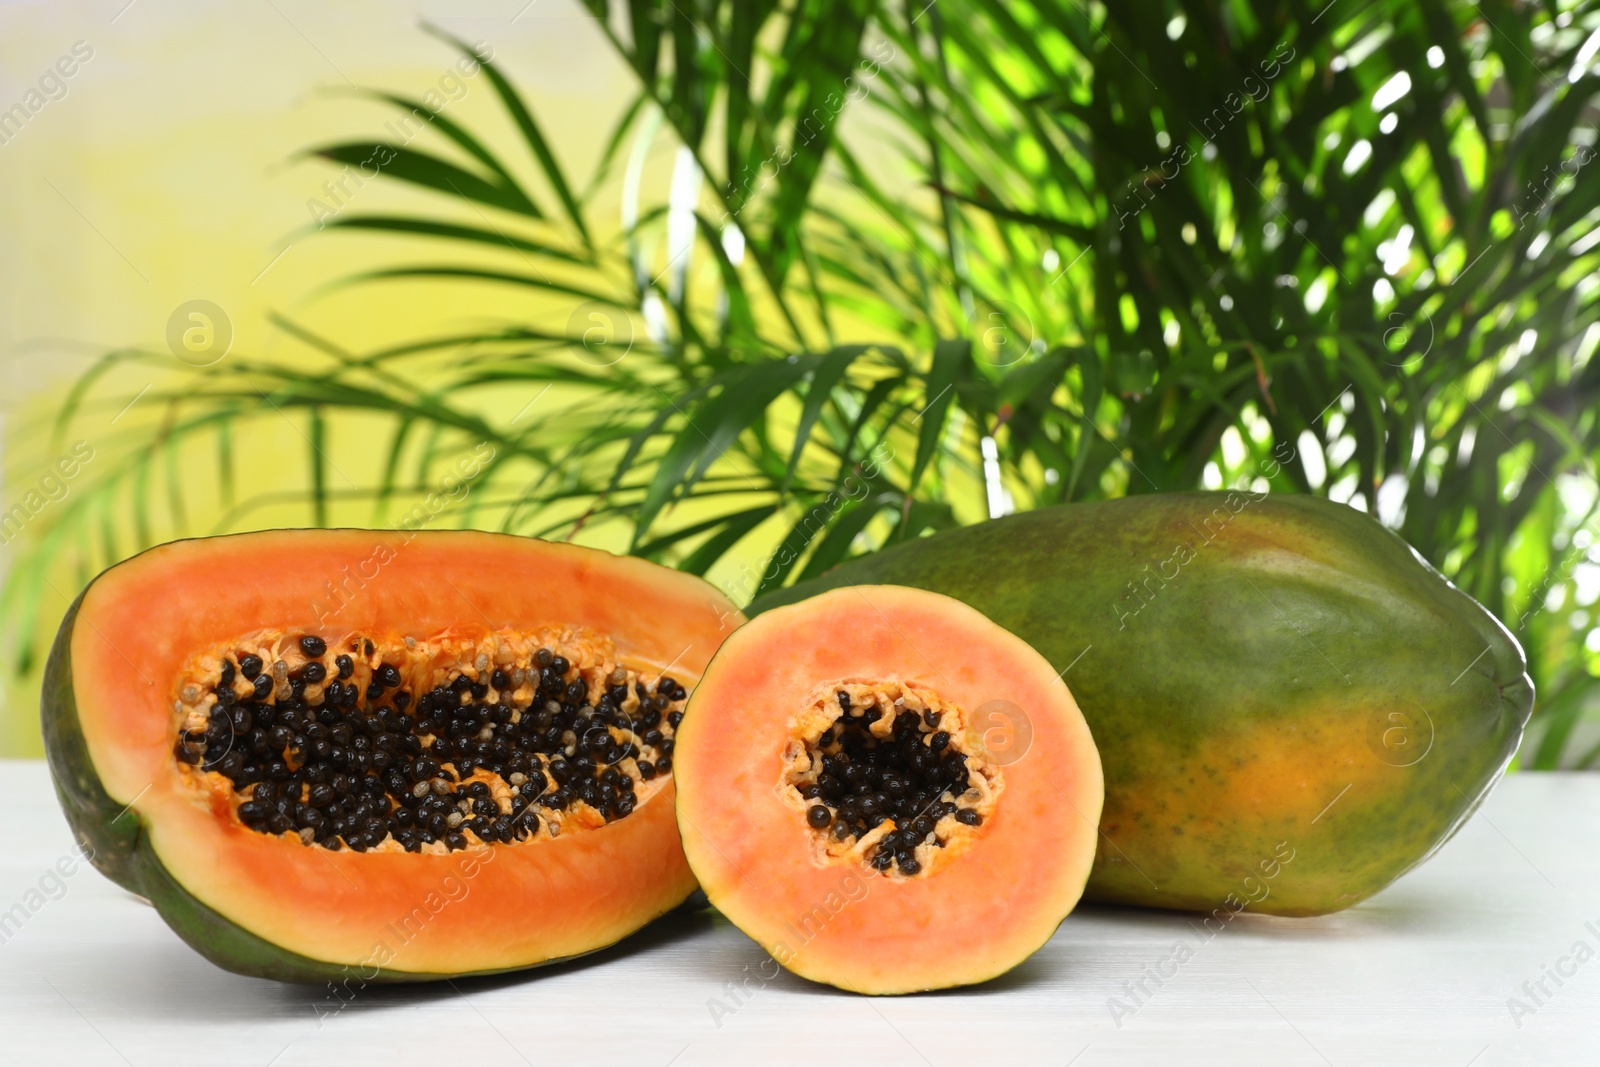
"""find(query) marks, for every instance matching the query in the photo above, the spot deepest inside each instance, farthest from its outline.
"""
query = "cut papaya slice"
(355, 756)
(887, 791)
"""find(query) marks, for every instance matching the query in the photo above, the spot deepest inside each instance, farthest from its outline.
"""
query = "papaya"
(351, 756)
(1292, 707)
(887, 791)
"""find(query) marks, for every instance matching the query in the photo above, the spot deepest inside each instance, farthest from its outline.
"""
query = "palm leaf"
(1208, 246)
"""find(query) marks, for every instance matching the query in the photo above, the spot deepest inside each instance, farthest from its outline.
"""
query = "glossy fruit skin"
(105, 832)
(1266, 676)
(119, 834)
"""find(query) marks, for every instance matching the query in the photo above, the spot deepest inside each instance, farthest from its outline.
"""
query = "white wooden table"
(1420, 974)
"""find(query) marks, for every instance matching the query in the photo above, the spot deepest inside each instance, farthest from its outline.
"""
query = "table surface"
(1425, 972)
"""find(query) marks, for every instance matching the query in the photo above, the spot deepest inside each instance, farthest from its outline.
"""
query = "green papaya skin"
(106, 832)
(1292, 708)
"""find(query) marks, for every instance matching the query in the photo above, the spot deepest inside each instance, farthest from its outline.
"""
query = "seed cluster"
(314, 751)
(914, 776)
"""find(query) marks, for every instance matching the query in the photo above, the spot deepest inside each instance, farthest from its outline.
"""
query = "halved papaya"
(887, 791)
(361, 756)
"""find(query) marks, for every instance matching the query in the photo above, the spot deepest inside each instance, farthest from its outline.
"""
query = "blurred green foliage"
(918, 265)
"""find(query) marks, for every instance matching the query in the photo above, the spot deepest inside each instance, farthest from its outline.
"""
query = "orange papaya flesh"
(887, 791)
(1265, 675)
(457, 762)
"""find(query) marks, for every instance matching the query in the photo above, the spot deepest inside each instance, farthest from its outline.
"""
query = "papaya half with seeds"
(887, 791)
(354, 756)
(1264, 675)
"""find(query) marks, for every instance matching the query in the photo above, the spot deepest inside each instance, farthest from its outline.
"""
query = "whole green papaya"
(1292, 707)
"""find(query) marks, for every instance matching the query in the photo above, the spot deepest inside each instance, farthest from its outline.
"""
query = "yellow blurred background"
(163, 170)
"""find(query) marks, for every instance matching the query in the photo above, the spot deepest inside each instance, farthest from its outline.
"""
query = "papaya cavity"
(391, 742)
(882, 774)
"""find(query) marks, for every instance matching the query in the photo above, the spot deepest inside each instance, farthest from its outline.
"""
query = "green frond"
(938, 264)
